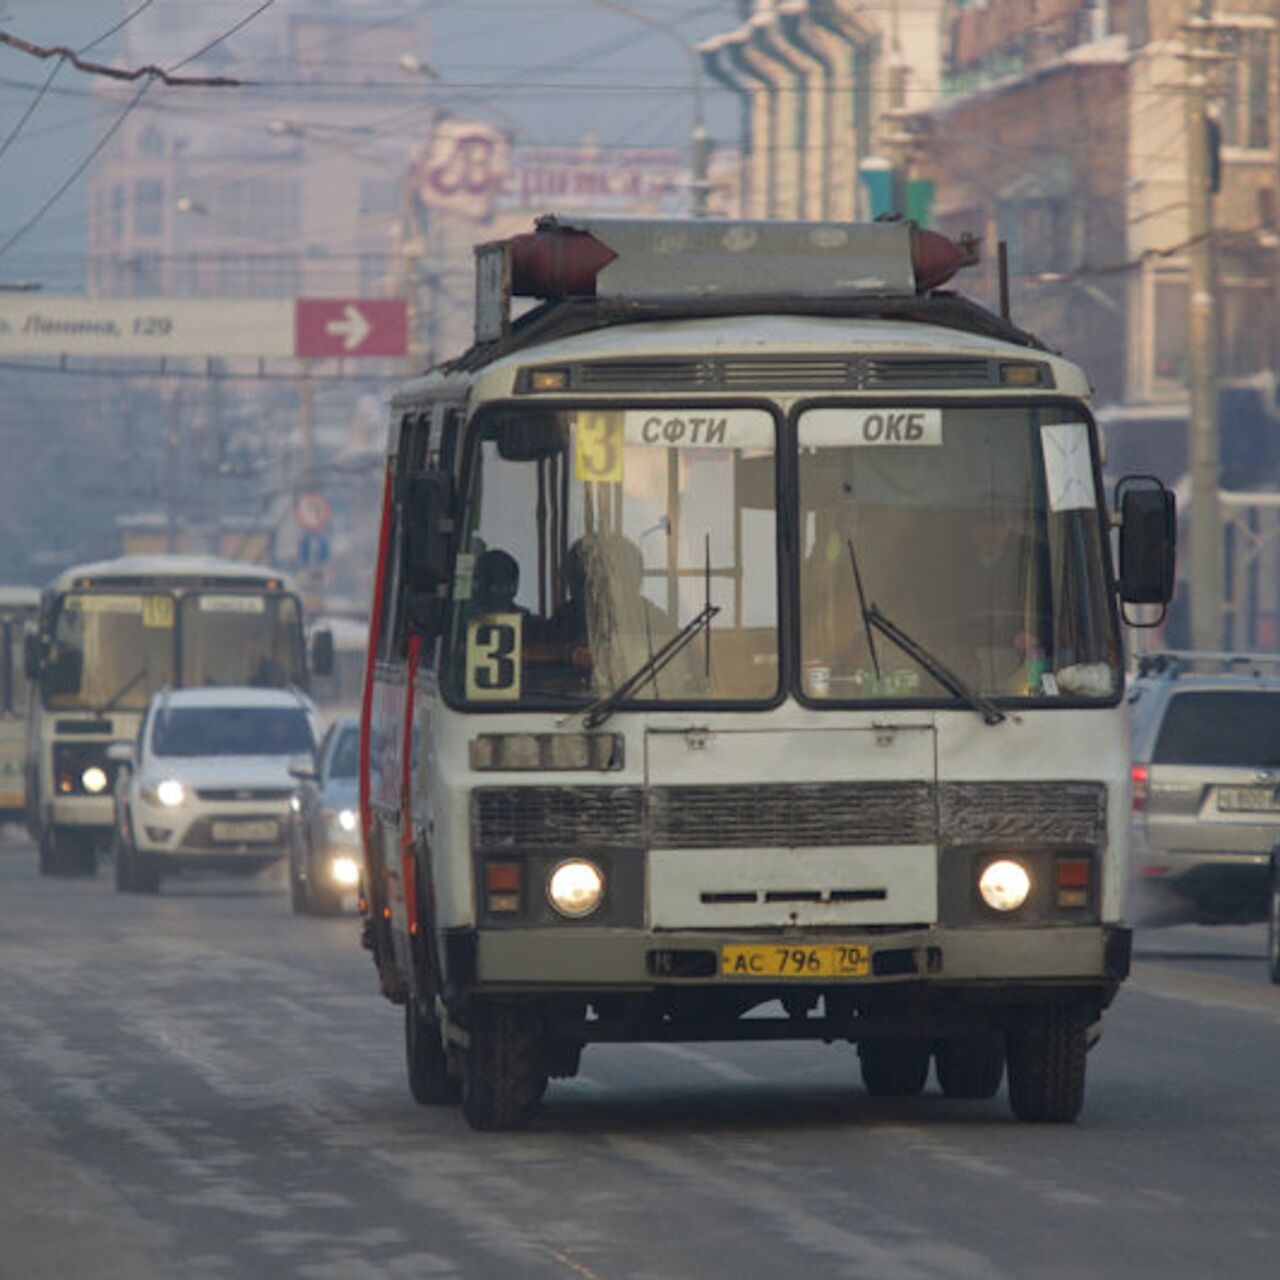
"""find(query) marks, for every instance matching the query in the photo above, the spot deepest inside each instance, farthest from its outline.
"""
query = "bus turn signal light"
(1073, 876)
(502, 886)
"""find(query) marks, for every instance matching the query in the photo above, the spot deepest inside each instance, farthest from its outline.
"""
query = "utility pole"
(1202, 339)
(699, 143)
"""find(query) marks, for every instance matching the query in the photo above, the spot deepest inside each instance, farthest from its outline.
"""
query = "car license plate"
(1247, 799)
(245, 832)
(772, 960)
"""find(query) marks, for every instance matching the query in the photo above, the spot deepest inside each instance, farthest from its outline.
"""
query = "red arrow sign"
(327, 327)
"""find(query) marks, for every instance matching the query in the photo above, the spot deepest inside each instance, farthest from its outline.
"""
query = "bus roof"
(781, 354)
(19, 597)
(142, 571)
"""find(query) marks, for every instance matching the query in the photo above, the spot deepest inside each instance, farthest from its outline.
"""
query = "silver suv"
(1206, 786)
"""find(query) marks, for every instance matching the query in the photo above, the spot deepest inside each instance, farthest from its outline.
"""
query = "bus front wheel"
(503, 1074)
(1046, 1047)
(67, 852)
(894, 1068)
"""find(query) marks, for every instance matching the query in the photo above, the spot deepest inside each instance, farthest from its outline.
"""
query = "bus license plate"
(245, 832)
(827, 960)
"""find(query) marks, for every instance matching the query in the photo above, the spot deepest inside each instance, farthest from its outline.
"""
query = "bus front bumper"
(582, 960)
(81, 811)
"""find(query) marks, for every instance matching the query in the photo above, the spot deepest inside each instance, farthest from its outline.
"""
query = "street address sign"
(267, 328)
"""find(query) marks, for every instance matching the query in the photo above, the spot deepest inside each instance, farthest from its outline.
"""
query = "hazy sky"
(564, 68)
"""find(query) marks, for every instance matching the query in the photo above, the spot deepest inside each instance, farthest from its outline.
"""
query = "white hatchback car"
(208, 784)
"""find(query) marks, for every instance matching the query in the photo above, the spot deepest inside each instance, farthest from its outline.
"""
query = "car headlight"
(171, 793)
(575, 887)
(1004, 884)
(343, 821)
(345, 871)
(94, 779)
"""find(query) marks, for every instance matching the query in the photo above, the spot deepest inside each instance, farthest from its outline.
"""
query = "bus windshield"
(241, 638)
(115, 649)
(593, 536)
(109, 649)
(974, 531)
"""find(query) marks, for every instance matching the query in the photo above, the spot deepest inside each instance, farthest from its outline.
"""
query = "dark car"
(326, 857)
(1206, 786)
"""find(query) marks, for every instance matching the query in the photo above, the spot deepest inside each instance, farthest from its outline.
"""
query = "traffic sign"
(265, 328)
(327, 327)
(312, 512)
(313, 549)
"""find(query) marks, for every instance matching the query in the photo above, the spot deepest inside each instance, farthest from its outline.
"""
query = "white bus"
(110, 634)
(17, 611)
(747, 664)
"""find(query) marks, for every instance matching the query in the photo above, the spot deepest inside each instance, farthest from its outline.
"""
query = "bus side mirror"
(1148, 540)
(322, 652)
(428, 539)
(304, 769)
(123, 754)
(32, 655)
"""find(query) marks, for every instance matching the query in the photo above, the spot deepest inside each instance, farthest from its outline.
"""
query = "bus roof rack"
(683, 262)
(1174, 662)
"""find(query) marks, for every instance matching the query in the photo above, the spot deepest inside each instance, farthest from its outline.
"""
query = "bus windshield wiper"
(943, 674)
(600, 710)
(120, 692)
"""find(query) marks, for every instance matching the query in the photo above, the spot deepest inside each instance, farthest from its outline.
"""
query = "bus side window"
(388, 647)
(411, 456)
(450, 423)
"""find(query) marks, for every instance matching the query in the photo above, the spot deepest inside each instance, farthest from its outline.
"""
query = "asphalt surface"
(203, 1085)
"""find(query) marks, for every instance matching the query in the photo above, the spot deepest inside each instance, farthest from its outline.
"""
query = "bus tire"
(896, 1068)
(298, 895)
(67, 853)
(503, 1076)
(1046, 1048)
(429, 1080)
(970, 1066)
(1273, 926)
(124, 869)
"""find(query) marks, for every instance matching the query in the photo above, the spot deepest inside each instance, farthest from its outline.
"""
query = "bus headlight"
(171, 793)
(575, 887)
(94, 779)
(345, 872)
(1004, 884)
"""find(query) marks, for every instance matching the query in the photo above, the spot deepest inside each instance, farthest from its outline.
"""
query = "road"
(202, 1085)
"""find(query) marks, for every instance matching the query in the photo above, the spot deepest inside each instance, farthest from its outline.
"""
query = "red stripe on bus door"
(375, 624)
(408, 864)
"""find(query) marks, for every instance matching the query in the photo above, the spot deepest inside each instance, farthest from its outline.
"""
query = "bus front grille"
(818, 371)
(818, 815)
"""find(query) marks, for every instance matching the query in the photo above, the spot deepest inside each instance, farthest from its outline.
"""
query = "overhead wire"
(13, 133)
(114, 128)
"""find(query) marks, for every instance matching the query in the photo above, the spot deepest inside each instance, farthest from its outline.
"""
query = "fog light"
(1004, 884)
(345, 872)
(575, 888)
(94, 780)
